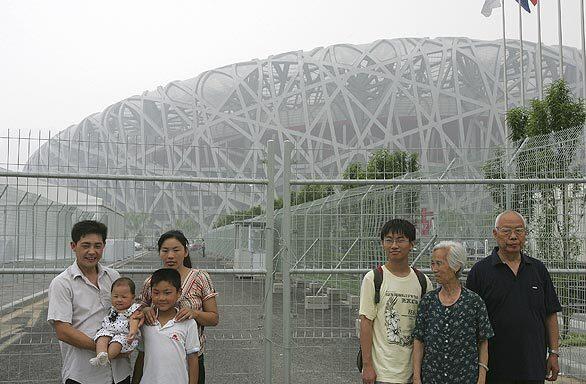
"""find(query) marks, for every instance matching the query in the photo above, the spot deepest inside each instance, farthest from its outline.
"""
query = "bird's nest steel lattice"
(442, 98)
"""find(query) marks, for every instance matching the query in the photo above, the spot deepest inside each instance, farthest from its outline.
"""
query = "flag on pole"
(489, 5)
(525, 4)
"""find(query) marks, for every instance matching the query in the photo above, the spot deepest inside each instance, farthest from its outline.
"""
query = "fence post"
(286, 262)
(269, 250)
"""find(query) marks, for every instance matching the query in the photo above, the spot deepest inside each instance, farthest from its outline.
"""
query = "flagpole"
(583, 62)
(505, 81)
(521, 56)
(561, 70)
(539, 53)
(506, 89)
(583, 53)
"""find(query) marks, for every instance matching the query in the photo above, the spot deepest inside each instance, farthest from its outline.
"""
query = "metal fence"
(333, 240)
(42, 195)
(288, 282)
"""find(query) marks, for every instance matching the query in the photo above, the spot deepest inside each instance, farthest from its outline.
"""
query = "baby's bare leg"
(101, 358)
(102, 344)
(114, 350)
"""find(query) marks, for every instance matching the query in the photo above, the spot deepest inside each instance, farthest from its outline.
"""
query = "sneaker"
(103, 358)
(100, 360)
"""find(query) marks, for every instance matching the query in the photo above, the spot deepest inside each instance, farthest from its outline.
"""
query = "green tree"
(311, 192)
(558, 111)
(384, 164)
(278, 203)
(517, 121)
(551, 206)
(238, 216)
(354, 171)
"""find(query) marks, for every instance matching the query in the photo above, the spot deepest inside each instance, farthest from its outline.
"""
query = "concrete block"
(352, 300)
(317, 302)
(277, 287)
(312, 288)
(336, 294)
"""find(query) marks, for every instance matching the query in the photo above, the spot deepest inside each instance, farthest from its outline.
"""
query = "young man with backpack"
(389, 297)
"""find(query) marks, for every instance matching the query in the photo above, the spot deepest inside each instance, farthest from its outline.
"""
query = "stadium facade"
(442, 98)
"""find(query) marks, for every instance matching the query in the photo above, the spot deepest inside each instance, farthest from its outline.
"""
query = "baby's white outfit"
(117, 326)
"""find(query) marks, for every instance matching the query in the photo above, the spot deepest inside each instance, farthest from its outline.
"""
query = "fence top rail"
(435, 181)
(212, 271)
(230, 271)
(170, 179)
(355, 271)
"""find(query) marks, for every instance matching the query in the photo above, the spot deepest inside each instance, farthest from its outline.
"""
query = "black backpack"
(378, 281)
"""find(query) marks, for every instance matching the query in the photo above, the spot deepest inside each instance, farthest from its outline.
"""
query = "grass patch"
(574, 340)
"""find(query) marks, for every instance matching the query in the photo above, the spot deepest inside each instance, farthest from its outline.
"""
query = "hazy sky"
(64, 60)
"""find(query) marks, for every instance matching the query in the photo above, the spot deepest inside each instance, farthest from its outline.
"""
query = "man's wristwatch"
(553, 352)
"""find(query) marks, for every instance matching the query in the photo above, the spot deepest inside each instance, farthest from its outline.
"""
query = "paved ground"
(324, 346)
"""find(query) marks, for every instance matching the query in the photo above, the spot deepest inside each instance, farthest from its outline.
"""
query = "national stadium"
(442, 98)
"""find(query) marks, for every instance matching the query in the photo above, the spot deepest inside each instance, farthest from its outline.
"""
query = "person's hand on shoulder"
(138, 315)
(150, 317)
(184, 314)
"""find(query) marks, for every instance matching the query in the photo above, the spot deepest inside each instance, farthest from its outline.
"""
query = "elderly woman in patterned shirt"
(452, 327)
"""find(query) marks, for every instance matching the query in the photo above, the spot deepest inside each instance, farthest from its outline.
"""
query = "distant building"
(36, 219)
(442, 98)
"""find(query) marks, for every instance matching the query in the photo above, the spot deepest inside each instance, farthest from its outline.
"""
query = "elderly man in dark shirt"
(522, 306)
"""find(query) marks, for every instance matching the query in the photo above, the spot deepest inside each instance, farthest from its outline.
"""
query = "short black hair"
(124, 281)
(169, 275)
(399, 227)
(88, 227)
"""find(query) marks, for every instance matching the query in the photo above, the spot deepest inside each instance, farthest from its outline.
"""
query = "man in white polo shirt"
(79, 298)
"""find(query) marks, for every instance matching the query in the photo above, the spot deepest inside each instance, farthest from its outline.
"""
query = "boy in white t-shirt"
(168, 351)
(386, 328)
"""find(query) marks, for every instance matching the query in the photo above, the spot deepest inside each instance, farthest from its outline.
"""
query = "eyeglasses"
(398, 241)
(507, 231)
